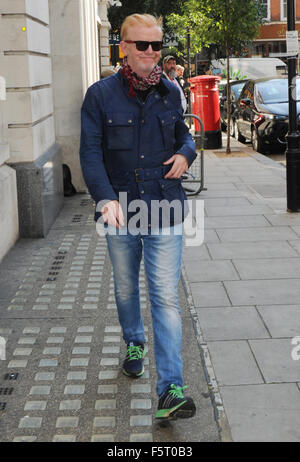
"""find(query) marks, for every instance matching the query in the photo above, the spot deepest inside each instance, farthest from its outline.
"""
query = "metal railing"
(195, 174)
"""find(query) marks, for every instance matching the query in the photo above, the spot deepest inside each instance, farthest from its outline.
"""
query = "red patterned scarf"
(140, 83)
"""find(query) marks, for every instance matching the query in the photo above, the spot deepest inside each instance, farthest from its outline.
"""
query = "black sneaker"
(172, 405)
(133, 365)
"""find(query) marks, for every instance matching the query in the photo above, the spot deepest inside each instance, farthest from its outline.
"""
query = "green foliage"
(173, 51)
(230, 24)
(227, 24)
(235, 75)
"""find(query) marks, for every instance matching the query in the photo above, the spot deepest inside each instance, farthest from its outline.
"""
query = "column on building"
(75, 62)
(103, 5)
(9, 223)
(25, 62)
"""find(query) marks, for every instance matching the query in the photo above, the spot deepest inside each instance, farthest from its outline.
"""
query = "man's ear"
(124, 47)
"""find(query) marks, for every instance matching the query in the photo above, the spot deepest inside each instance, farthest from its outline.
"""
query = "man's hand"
(112, 214)
(179, 167)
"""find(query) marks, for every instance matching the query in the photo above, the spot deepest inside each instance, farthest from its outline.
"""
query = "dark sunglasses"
(143, 46)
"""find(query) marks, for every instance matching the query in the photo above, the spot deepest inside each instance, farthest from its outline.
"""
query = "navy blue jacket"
(124, 142)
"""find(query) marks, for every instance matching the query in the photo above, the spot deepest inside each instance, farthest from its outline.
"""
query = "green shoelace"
(135, 352)
(176, 392)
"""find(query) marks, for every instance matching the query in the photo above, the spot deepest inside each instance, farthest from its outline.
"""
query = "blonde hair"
(140, 20)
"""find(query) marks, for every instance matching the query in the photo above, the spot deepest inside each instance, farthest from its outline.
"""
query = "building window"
(266, 4)
(284, 9)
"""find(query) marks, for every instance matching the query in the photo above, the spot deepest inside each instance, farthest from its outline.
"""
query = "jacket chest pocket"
(167, 122)
(120, 131)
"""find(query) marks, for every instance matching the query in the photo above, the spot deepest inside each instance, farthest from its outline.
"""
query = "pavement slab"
(268, 268)
(231, 323)
(259, 249)
(207, 294)
(244, 221)
(278, 233)
(232, 210)
(263, 292)
(263, 412)
(226, 202)
(234, 363)
(281, 320)
(296, 229)
(204, 270)
(274, 358)
(283, 219)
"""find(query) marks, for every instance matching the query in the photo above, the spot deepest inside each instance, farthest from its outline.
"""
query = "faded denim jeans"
(162, 258)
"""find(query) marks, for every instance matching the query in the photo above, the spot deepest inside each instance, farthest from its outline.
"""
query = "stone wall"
(9, 224)
(103, 5)
(51, 51)
(76, 66)
(25, 61)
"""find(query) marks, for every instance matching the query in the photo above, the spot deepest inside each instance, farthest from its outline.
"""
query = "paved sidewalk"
(62, 379)
(245, 287)
(240, 296)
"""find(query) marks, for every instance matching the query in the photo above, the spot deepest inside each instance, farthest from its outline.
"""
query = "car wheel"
(237, 134)
(257, 142)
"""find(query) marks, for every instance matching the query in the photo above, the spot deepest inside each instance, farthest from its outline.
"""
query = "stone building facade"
(50, 52)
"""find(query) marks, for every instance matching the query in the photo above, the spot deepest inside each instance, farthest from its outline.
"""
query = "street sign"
(292, 43)
(170, 40)
(114, 38)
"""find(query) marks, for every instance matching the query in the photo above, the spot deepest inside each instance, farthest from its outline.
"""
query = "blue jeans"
(162, 259)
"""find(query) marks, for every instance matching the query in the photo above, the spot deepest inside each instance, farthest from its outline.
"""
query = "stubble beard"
(172, 74)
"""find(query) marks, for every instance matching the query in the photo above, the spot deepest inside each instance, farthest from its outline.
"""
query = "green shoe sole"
(177, 412)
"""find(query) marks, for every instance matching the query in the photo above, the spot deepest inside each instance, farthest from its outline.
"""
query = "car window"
(250, 91)
(275, 91)
(244, 90)
(237, 89)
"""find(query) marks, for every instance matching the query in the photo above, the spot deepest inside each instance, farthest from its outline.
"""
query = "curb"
(214, 393)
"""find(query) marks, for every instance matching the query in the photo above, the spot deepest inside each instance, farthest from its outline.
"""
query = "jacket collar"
(161, 88)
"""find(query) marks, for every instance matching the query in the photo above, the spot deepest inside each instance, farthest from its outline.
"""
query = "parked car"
(262, 109)
(235, 90)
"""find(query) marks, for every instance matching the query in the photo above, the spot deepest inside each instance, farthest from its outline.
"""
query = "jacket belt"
(143, 174)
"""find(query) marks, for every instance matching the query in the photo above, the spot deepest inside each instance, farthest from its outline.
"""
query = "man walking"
(170, 73)
(134, 141)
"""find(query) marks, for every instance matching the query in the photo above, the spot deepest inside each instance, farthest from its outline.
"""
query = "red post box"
(205, 99)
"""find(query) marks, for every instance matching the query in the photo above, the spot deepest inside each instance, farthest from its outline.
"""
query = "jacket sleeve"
(91, 152)
(184, 141)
